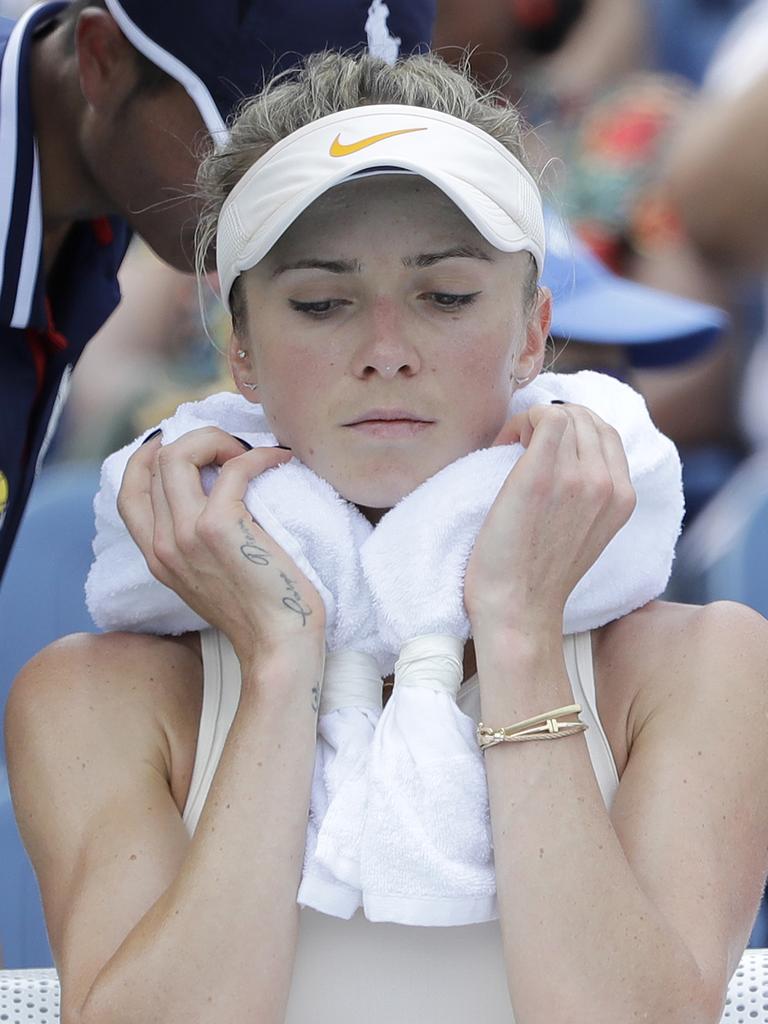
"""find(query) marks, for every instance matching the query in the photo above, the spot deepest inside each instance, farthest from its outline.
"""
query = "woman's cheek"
(487, 392)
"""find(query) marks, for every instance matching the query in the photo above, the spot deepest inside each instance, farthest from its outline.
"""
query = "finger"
(589, 477)
(604, 460)
(615, 453)
(549, 422)
(164, 539)
(595, 431)
(524, 425)
(511, 431)
(618, 466)
(589, 449)
(547, 430)
(517, 429)
(235, 475)
(180, 464)
(226, 502)
(134, 502)
(567, 466)
(183, 514)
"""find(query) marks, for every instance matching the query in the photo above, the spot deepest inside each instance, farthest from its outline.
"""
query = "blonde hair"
(327, 83)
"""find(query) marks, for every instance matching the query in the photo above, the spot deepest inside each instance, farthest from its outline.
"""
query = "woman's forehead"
(355, 207)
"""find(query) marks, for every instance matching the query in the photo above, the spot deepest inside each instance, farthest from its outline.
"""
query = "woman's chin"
(378, 499)
(382, 492)
(379, 484)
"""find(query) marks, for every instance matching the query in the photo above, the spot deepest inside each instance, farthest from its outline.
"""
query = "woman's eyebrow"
(332, 266)
(428, 259)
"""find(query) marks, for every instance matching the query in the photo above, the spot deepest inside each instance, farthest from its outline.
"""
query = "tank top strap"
(577, 649)
(221, 696)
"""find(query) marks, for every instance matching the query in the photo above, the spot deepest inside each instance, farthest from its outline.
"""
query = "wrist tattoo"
(258, 555)
(293, 600)
(251, 550)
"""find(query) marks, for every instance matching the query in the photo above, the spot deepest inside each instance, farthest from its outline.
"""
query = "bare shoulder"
(691, 810)
(100, 738)
(667, 652)
(110, 691)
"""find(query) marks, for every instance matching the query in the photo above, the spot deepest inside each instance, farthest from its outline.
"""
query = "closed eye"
(319, 308)
(451, 300)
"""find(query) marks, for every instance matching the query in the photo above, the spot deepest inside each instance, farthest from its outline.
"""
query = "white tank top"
(346, 971)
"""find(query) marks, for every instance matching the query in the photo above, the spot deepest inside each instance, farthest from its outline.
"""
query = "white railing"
(32, 996)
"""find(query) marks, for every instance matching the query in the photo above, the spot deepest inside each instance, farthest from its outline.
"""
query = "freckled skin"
(326, 347)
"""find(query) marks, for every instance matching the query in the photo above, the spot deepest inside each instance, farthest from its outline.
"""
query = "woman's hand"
(566, 497)
(208, 549)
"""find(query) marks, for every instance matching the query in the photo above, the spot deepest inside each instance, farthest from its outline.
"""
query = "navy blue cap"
(591, 304)
(224, 50)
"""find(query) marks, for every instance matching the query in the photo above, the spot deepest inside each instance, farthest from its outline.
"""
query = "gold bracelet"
(541, 727)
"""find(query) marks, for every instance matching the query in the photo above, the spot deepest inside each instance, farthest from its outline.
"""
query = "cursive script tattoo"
(316, 697)
(293, 601)
(251, 550)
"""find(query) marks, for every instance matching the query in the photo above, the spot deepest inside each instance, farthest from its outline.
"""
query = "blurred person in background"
(614, 193)
(594, 79)
(107, 108)
(561, 53)
(718, 179)
(153, 352)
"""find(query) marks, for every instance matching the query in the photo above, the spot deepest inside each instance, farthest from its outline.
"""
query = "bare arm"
(718, 181)
(648, 909)
(645, 910)
(609, 40)
(207, 924)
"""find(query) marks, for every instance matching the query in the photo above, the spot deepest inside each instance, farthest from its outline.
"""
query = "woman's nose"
(386, 348)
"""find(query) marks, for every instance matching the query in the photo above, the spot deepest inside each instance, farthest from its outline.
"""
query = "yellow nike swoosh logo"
(340, 149)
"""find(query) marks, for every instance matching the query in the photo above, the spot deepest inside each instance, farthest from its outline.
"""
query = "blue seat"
(41, 599)
(759, 936)
(723, 555)
(41, 596)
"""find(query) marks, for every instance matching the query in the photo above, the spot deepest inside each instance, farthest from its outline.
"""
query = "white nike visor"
(485, 181)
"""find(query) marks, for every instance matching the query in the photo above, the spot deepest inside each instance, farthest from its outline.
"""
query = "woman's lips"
(386, 423)
(390, 428)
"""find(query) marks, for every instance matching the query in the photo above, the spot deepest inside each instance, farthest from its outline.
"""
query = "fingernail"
(151, 435)
(248, 447)
(284, 447)
(557, 401)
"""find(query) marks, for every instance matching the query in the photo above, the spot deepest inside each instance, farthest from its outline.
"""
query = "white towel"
(423, 544)
(426, 856)
(319, 530)
(323, 535)
(120, 591)
(414, 562)
(350, 708)
(399, 807)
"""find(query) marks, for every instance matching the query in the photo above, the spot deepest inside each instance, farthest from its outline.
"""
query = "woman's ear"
(529, 361)
(241, 367)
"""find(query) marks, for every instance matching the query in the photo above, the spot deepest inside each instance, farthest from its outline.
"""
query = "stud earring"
(251, 387)
(241, 353)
